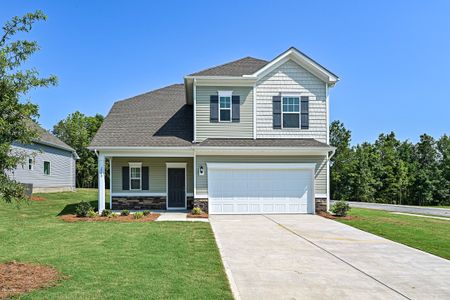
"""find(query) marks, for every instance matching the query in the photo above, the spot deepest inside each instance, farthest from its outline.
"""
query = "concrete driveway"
(309, 257)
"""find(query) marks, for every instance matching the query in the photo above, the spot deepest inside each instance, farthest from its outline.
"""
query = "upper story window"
(291, 112)
(135, 176)
(46, 167)
(225, 106)
(30, 164)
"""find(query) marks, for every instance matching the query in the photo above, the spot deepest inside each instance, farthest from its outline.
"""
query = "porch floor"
(170, 215)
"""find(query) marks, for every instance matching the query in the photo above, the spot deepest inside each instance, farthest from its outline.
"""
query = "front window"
(291, 112)
(224, 106)
(46, 167)
(135, 176)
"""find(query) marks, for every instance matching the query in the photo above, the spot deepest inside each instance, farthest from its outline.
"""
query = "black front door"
(176, 188)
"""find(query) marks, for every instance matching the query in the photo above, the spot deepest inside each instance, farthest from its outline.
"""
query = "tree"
(15, 84)
(393, 172)
(340, 138)
(426, 185)
(443, 146)
(77, 130)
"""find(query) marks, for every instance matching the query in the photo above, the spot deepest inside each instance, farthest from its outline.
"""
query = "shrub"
(197, 211)
(91, 213)
(114, 215)
(340, 208)
(106, 213)
(124, 212)
(146, 212)
(138, 215)
(82, 209)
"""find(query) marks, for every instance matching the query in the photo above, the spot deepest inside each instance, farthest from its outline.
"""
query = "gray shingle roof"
(157, 118)
(211, 142)
(244, 66)
(47, 138)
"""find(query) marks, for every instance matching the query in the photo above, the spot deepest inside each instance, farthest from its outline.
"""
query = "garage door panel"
(247, 190)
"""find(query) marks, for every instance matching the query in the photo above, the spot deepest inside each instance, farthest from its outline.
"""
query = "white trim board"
(264, 166)
(137, 194)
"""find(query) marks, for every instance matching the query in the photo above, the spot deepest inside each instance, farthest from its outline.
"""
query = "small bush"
(124, 212)
(340, 208)
(197, 211)
(138, 215)
(106, 213)
(114, 215)
(82, 209)
(91, 213)
(146, 212)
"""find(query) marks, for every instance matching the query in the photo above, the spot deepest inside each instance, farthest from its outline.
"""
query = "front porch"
(153, 183)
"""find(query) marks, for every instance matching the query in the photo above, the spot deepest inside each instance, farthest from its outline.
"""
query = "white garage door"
(248, 188)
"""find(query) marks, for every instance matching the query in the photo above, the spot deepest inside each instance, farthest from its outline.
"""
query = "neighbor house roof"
(244, 66)
(157, 118)
(46, 138)
(222, 142)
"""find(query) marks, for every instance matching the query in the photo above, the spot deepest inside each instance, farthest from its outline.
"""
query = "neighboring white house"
(49, 164)
(248, 137)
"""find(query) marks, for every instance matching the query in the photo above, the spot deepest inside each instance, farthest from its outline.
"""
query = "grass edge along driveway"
(426, 234)
(157, 260)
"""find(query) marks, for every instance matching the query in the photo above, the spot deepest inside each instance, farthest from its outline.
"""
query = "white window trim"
(49, 167)
(230, 95)
(135, 165)
(299, 113)
(30, 164)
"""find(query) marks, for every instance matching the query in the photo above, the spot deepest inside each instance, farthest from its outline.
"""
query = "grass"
(426, 234)
(157, 260)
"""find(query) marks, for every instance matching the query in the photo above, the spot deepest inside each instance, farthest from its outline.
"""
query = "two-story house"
(246, 137)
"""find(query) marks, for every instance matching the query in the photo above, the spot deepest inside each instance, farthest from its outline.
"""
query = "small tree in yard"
(15, 113)
(340, 208)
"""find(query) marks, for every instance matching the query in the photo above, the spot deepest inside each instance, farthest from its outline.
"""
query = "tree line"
(389, 170)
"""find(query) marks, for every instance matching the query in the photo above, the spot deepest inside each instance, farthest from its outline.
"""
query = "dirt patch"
(17, 278)
(37, 198)
(333, 217)
(201, 216)
(129, 218)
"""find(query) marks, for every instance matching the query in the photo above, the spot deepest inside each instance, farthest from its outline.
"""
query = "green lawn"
(110, 259)
(430, 235)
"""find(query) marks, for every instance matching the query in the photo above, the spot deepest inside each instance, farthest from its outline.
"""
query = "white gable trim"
(302, 60)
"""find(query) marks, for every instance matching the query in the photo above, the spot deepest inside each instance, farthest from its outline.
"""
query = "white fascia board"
(232, 151)
(262, 166)
(300, 59)
(146, 152)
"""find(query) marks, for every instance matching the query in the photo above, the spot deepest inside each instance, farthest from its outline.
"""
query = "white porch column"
(101, 183)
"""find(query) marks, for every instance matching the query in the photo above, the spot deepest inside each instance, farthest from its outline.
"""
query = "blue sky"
(393, 57)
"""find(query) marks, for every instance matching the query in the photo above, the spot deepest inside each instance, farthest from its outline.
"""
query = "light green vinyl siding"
(157, 173)
(206, 129)
(320, 173)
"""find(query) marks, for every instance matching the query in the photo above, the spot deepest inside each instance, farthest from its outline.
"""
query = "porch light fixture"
(201, 171)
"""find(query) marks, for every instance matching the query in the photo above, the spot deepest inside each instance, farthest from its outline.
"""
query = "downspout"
(194, 91)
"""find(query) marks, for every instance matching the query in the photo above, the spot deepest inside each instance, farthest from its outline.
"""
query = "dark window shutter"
(276, 112)
(236, 108)
(125, 178)
(214, 108)
(304, 112)
(145, 181)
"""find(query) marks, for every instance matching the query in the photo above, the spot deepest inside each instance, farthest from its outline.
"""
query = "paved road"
(444, 212)
(310, 257)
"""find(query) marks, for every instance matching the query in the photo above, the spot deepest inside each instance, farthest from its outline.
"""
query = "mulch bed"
(201, 216)
(333, 217)
(37, 198)
(129, 218)
(17, 278)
